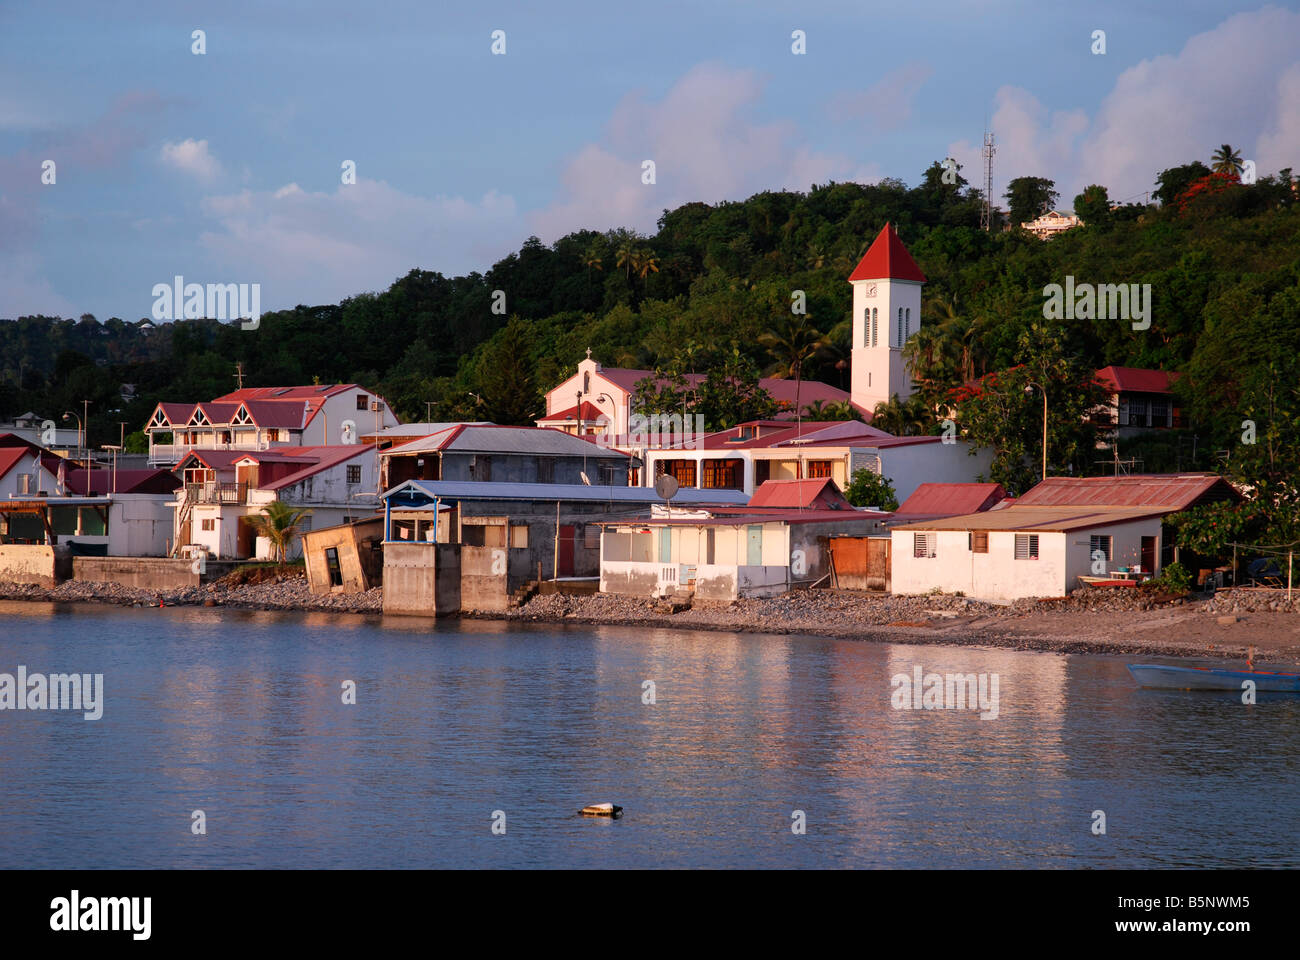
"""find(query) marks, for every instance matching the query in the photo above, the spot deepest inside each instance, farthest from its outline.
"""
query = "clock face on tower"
(870, 290)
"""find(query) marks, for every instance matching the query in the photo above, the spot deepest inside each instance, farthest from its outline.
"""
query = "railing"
(171, 453)
(217, 492)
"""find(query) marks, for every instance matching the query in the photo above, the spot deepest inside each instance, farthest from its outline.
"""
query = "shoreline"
(1087, 622)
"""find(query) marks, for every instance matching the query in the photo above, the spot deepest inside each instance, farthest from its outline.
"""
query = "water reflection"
(241, 714)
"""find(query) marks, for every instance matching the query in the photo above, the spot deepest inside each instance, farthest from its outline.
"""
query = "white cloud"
(704, 148)
(1237, 83)
(319, 247)
(887, 104)
(192, 157)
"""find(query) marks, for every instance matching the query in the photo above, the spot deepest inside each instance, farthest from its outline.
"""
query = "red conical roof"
(887, 259)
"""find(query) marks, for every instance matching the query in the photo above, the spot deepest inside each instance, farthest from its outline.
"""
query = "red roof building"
(887, 259)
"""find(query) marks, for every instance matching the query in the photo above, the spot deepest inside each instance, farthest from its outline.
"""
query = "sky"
(227, 166)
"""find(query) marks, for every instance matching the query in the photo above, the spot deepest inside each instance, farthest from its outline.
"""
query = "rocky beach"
(1224, 626)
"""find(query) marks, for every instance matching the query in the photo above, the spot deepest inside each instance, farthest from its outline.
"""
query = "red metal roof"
(11, 455)
(819, 492)
(101, 482)
(1137, 379)
(782, 390)
(951, 499)
(285, 393)
(1171, 492)
(887, 259)
(590, 413)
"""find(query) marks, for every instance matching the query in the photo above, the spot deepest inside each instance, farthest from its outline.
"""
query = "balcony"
(217, 492)
(170, 454)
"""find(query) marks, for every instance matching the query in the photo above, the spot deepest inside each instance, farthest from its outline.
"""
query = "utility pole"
(239, 375)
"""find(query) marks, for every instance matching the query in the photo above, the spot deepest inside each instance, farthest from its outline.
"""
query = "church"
(886, 312)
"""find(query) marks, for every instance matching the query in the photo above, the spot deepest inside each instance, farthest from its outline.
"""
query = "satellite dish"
(666, 486)
(585, 479)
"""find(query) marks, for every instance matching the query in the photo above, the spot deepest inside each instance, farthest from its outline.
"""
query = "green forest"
(711, 292)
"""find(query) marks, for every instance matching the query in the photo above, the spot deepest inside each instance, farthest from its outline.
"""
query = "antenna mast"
(239, 374)
(986, 214)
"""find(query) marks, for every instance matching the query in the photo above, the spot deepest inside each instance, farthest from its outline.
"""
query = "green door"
(665, 544)
(755, 558)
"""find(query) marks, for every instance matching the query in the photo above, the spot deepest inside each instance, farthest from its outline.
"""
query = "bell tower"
(886, 312)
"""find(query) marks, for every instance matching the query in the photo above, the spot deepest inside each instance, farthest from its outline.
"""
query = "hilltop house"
(261, 418)
(224, 488)
(1051, 224)
(1140, 400)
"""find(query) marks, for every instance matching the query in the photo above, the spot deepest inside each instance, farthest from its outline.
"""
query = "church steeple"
(886, 312)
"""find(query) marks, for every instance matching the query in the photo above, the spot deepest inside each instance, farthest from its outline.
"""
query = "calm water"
(239, 714)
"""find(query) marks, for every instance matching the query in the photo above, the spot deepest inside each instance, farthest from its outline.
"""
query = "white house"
(1022, 551)
(223, 488)
(723, 555)
(261, 418)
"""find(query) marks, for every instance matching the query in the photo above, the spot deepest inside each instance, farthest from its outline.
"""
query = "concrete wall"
(149, 573)
(422, 579)
(998, 575)
(34, 563)
(523, 468)
(908, 467)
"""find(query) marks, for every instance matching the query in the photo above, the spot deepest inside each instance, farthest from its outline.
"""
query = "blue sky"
(225, 167)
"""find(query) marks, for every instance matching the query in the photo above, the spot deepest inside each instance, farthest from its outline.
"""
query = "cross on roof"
(589, 353)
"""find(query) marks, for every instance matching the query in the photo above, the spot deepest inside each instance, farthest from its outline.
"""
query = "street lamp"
(1029, 389)
(69, 413)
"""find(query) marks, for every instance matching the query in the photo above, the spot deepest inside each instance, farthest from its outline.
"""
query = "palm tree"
(625, 256)
(902, 418)
(645, 262)
(793, 343)
(1226, 160)
(593, 258)
(278, 523)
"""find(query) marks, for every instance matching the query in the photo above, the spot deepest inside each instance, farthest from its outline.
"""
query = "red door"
(1149, 555)
(567, 533)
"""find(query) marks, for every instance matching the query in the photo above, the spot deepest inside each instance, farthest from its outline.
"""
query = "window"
(923, 544)
(273, 435)
(722, 474)
(866, 327)
(1104, 544)
(545, 469)
(907, 323)
(363, 402)
(819, 468)
(683, 471)
(1026, 546)
(25, 483)
(591, 536)
(332, 565)
(900, 326)
(1137, 413)
(354, 473)
(518, 536)
(208, 524)
(480, 468)
(979, 541)
(1160, 413)
(875, 326)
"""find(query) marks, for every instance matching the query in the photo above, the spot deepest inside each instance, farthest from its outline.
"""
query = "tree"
(1092, 206)
(1170, 183)
(1226, 160)
(903, 418)
(1029, 197)
(278, 523)
(1003, 411)
(505, 377)
(792, 343)
(869, 489)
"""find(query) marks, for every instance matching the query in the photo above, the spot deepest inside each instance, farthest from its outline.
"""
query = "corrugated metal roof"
(1169, 491)
(950, 499)
(780, 389)
(492, 439)
(1137, 379)
(852, 520)
(797, 493)
(488, 490)
(1038, 519)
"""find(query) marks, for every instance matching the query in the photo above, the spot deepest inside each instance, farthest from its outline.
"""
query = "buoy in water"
(601, 810)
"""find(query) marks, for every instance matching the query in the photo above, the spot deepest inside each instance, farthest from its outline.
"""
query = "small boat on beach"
(1153, 676)
(1106, 581)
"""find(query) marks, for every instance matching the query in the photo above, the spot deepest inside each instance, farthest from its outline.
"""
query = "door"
(567, 533)
(665, 545)
(755, 540)
(1149, 555)
(245, 539)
